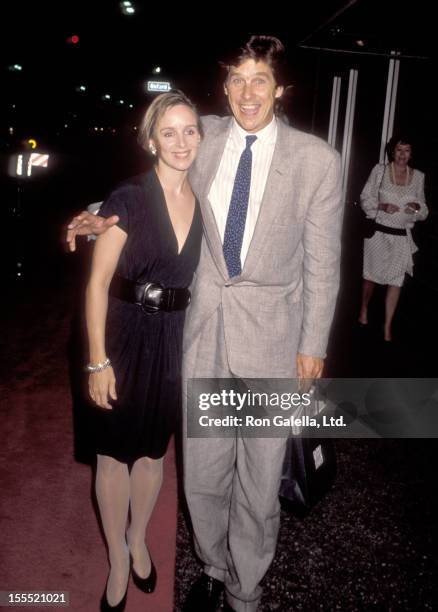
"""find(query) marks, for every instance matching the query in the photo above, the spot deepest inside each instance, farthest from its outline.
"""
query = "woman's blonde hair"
(157, 109)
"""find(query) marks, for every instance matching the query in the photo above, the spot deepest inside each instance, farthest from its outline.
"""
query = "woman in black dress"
(135, 303)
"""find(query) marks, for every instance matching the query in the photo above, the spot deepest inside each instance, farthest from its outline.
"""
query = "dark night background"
(116, 54)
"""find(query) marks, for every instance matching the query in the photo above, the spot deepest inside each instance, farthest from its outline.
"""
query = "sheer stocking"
(391, 301)
(367, 292)
(146, 479)
(112, 492)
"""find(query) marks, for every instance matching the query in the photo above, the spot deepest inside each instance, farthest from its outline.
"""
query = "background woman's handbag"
(368, 227)
(309, 469)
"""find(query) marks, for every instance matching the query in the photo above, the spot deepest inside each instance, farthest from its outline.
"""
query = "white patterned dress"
(387, 258)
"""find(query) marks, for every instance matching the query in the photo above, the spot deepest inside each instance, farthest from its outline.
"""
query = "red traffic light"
(73, 40)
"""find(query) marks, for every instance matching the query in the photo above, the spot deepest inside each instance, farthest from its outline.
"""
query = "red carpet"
(50, 536)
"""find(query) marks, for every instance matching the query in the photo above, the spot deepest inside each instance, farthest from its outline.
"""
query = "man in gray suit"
(266, 316)
(263, 301)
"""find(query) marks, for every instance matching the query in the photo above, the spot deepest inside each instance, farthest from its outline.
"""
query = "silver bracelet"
(98, 367)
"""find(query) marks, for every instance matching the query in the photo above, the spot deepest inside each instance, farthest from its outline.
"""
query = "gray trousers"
(231, 486)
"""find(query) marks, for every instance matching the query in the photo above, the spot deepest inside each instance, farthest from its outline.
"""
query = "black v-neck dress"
(145, 350)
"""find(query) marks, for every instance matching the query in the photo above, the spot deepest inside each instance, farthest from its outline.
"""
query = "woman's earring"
(152, 149)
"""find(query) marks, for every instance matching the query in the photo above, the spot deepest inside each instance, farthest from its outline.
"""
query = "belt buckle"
(151, 309)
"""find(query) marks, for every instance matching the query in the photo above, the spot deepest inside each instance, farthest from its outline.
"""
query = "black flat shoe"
(105, 607)
(147, 585)
(204, 595)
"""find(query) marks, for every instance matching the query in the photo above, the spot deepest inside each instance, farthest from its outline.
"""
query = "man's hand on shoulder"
(308, 368)
(86, 224)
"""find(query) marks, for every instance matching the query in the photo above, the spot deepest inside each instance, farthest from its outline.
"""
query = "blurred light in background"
(21, 165)
(158, 86)
(127, 8)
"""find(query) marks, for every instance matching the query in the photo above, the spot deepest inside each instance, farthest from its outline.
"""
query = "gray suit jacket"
(284, 299)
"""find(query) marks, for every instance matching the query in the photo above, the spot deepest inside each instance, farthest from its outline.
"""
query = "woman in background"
(394, 197)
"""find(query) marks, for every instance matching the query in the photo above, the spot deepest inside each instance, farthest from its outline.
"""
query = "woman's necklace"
(391, 167)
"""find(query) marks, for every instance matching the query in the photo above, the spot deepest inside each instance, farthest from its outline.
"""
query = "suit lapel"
(210, 158)
(274, 195)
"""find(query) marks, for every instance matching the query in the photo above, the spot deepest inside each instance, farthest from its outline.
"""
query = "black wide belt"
(395, 231)
(152, 297)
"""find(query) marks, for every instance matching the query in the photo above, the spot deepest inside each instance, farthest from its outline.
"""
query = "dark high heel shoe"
(105, 607)
(147, 585)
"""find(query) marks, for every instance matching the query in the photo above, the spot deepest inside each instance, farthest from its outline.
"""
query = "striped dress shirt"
(222, 186)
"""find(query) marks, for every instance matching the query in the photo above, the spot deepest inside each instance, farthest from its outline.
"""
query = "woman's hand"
(412, 207)
(101, 385)
(389, 208)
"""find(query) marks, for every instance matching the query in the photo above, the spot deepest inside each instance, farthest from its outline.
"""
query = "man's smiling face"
(252, 91)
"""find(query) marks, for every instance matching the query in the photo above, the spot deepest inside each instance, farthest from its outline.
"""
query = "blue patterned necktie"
(236, 218)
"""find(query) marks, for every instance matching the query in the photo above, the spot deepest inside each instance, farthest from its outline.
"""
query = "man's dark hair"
(260, 48)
